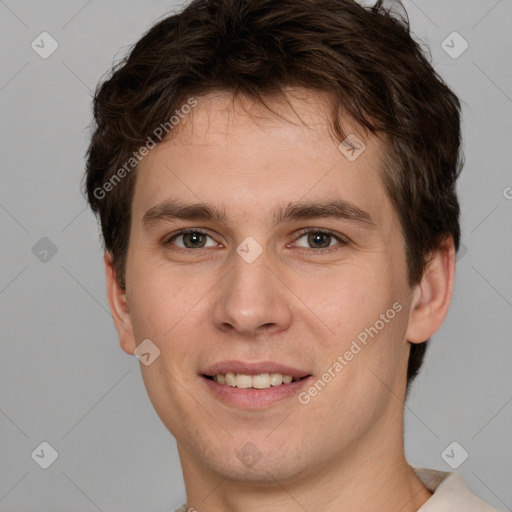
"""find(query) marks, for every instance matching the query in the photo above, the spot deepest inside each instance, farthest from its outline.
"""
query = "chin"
(256, 463)
(264, 472)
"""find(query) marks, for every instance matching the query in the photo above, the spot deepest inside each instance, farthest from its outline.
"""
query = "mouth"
(248, 385)
(259, 381)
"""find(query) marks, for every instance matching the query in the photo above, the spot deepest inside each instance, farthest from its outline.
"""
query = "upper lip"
(254, 368)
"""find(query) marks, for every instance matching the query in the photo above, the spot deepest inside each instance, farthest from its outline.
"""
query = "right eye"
(191, 238)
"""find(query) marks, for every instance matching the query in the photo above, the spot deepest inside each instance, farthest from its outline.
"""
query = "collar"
(450, 494)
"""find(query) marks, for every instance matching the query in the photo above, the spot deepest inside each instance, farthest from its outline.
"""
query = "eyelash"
(300, 235)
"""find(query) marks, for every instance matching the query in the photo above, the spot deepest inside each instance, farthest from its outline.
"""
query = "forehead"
(249, 158)
(298, 115)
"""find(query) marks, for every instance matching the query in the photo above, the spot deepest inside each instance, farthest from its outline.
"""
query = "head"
(242, 106)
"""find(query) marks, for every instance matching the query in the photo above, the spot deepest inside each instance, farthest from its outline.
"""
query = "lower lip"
(252, 398)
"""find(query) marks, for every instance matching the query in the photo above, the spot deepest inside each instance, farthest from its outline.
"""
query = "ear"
(119, 307)
(432, 296)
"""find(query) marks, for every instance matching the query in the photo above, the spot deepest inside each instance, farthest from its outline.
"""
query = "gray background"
(63, 377)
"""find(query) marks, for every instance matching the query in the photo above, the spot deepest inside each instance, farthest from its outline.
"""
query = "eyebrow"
(337, 209)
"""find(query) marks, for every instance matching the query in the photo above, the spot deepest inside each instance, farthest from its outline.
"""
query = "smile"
(260, 381)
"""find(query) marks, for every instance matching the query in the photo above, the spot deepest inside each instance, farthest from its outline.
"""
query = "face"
(293, 263)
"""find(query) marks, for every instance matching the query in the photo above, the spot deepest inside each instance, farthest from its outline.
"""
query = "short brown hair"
(363, 57)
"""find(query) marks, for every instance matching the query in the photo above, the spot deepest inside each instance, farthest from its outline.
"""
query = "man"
(276, 187)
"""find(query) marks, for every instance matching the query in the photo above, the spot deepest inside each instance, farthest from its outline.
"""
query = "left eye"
(319, 239)
(192, 239)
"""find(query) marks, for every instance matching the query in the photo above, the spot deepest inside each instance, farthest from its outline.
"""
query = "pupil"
(195, 238)
(315, 238)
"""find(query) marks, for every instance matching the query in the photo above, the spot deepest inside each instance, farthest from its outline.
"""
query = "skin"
(344, 449)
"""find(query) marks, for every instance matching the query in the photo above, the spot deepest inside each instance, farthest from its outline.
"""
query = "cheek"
(352, 298)
(163, 298)
(365, 309)
(171, 309)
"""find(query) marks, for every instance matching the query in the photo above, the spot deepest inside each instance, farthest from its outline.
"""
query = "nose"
(252, 299)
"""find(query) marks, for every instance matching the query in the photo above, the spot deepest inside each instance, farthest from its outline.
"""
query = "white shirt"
(450, 494)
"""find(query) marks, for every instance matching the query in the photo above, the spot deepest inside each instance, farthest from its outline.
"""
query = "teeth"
(261, 381)
(243, 381)
(276, 379)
